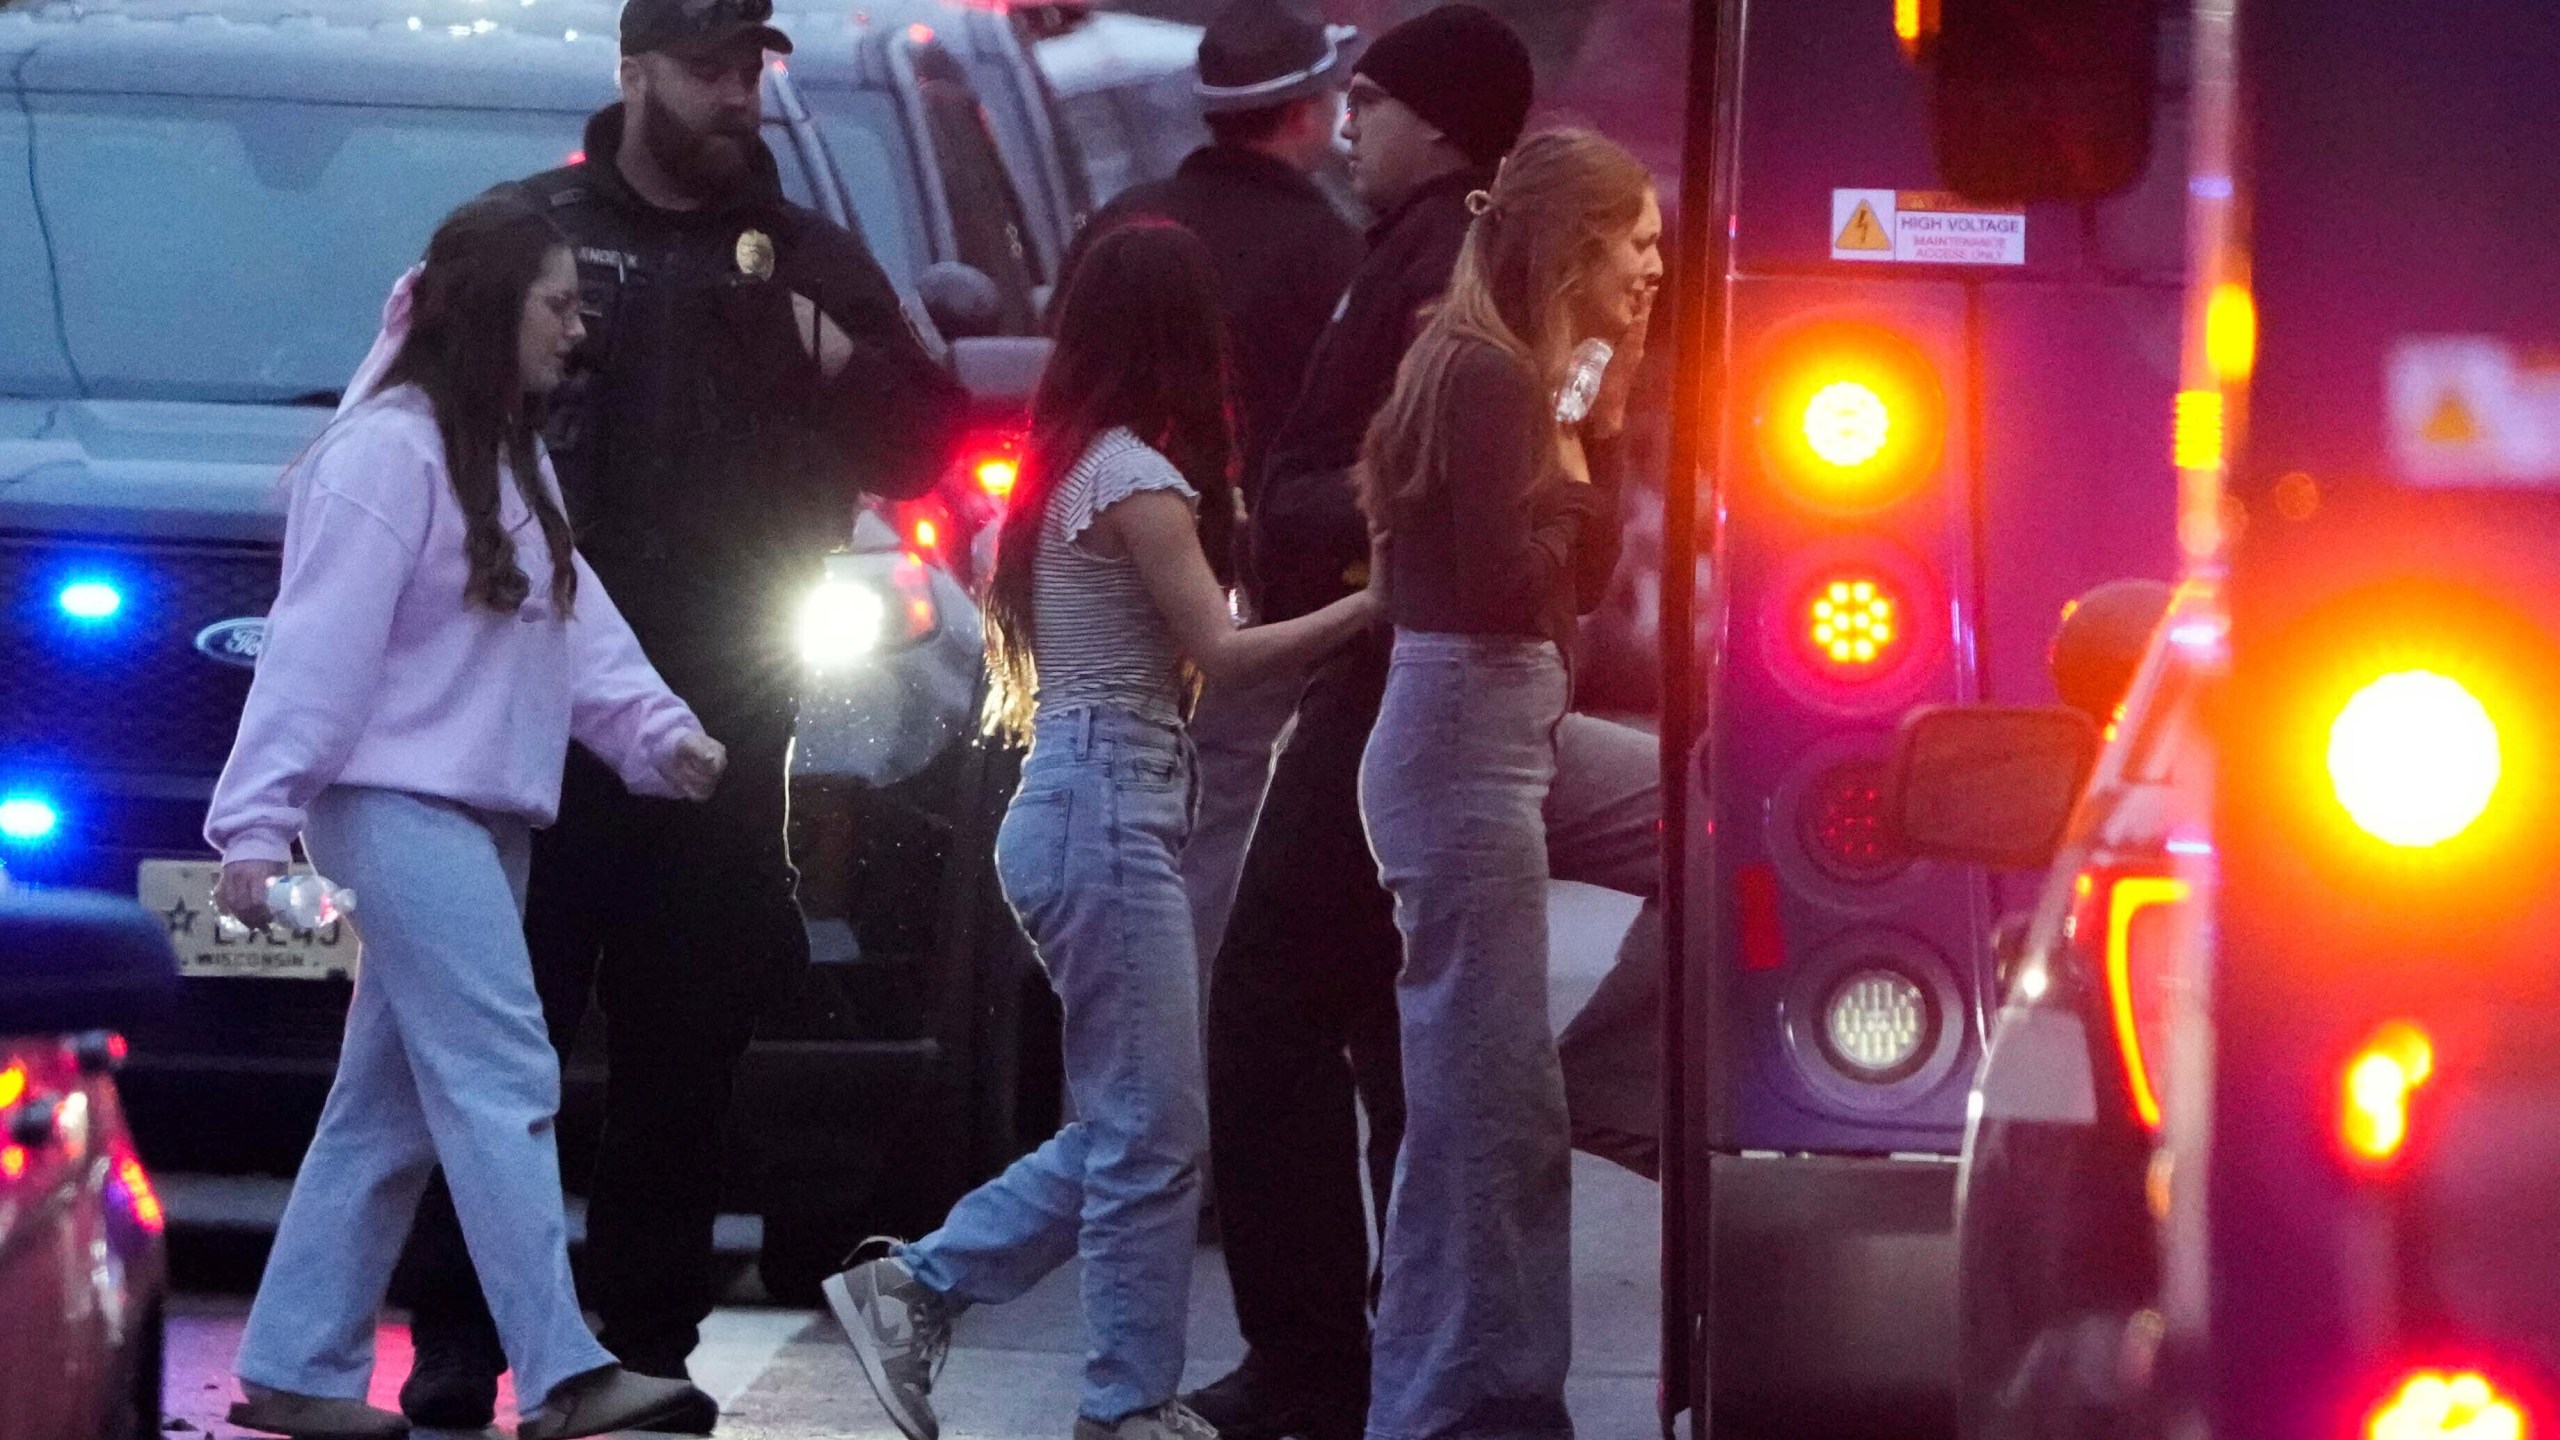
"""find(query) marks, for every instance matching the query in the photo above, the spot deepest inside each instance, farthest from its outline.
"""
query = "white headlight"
(841, 623)
(1876, 1021)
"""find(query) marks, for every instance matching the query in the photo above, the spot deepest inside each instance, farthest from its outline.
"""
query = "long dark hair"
(1140, 343)
(466, 313)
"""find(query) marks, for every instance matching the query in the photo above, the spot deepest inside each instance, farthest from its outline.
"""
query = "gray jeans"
(1087, 856)
(446, 1061)
(1474, 1331)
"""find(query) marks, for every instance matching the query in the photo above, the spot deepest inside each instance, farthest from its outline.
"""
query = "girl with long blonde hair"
(1497, 504)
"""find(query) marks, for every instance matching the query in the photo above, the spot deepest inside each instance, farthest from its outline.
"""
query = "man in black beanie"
(1302, 1006)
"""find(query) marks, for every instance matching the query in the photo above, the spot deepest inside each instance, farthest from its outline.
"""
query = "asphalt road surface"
(1012, 1374)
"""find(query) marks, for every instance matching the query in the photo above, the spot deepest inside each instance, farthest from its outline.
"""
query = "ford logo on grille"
(233, 642)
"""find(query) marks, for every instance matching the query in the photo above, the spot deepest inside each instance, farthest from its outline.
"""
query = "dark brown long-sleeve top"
(1502, 541)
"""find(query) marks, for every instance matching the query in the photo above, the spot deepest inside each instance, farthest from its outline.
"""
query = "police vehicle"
(1925, 387)
(193, 260)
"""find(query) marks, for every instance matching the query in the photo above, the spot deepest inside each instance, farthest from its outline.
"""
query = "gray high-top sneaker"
(1171, 1420)
(901, 1332)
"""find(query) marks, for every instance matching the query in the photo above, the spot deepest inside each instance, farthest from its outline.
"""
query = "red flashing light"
(920, 34)
(1854, 625)
(1843, 825)
(2440, 1405)
(928, 535)
(997, 474)
(577, 157)
(2374, 1091)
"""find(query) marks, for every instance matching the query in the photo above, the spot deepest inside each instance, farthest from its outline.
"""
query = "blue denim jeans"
(1474, 1331)
(445, 1061)
(1089, 855)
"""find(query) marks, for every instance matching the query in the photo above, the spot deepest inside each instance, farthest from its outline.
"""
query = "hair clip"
(1479, 203)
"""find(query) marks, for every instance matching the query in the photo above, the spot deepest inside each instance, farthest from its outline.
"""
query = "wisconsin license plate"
(180, 892)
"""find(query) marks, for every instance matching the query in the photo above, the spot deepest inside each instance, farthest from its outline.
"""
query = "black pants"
(679, 921)
(1302, 1022)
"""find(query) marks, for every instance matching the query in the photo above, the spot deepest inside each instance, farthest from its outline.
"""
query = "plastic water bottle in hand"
(300, 902)
(1582, 381)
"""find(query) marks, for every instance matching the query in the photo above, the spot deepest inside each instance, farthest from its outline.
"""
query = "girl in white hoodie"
(434, 647)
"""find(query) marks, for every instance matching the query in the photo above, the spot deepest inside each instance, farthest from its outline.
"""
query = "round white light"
(840, 624)
(1876, 1021)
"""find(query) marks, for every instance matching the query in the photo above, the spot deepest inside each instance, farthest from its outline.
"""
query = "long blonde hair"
(1554, 208)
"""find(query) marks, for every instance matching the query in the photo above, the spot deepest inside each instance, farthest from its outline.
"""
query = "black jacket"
(1284, 257)
(1310, 545)
(706, 461)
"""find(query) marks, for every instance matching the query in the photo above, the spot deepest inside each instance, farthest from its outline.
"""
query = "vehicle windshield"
(192, 248)
(878, 181)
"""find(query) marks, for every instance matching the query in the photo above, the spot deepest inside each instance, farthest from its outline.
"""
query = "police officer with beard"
(748, 370)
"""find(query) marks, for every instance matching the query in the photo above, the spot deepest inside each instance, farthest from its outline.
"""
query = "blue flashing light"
(28, 819)
(91, 600)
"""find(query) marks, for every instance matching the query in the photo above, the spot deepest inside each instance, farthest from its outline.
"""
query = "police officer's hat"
(694, 27)
(1261, 53)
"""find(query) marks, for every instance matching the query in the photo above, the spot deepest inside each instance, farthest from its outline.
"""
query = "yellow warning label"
(2451, 423)
(1863, 232)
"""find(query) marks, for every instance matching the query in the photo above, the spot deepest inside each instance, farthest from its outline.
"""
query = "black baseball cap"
(692, 27)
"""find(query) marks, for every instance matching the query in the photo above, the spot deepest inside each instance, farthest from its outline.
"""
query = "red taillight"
(1856, 624)
(1764, 939)
(2374, 1089)
(996, 474)
(134, 1184)
(2136, 918)
(1842, 822)
(2449, 1405)
(928, 536)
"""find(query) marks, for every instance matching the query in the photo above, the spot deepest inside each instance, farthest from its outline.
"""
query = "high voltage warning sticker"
(1925, 227)
(2471, 410)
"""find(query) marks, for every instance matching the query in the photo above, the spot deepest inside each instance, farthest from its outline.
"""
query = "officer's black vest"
(686, 446)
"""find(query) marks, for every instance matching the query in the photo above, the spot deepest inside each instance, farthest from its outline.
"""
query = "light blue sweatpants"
(446, 1061)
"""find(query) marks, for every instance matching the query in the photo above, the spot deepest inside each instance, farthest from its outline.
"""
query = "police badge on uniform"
(755, 254)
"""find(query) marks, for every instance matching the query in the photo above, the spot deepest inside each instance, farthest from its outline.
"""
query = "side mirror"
(1000, 373)
(73, 960)
(962, 300)
(2045, 99)
(1989, 784)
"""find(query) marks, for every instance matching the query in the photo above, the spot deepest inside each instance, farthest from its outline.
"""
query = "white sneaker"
(901, 1333)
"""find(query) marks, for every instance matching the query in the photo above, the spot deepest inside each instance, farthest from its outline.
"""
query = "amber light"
(140, 1196)
(13, 1085)
(2373, 1112)
(1851, 416)
(2436, 1405)
(13, 1162)
(1854, 624)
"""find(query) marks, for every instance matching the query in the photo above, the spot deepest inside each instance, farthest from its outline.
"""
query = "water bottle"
(1582, 381)
(300, 902)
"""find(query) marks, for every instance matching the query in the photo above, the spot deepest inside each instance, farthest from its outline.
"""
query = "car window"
(986, 214)
(1110, 151)
(880, 187)
(31, 355)
(794, 172)
(240, 249)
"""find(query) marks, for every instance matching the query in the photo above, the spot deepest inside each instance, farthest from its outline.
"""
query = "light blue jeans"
(446, 1061)
(1089, 855)
(1474, 1331)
